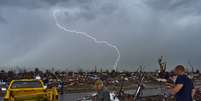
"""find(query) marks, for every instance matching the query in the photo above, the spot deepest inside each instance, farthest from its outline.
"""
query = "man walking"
(183, 89)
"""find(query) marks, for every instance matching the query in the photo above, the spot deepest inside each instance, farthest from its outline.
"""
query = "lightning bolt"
(87, 35)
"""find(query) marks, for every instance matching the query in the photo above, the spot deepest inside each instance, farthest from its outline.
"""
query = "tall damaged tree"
(162, 64)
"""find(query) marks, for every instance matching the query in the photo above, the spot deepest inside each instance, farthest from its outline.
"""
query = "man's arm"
(193, 92)
(176, 89)
(193, 89)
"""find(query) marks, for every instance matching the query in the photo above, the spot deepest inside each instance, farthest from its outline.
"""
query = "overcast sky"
(143, 30)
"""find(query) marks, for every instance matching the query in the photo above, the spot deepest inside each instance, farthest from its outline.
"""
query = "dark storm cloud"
(169, 4)
(2, 20)
(89, 8)
(34, 4)
(181, 7)
(143, 30)
(31, 4)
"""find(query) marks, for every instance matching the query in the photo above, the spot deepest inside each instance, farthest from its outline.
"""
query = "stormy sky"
(143, 30)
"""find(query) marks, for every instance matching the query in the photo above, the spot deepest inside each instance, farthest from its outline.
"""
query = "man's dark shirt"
(103, 95)
(185, 94)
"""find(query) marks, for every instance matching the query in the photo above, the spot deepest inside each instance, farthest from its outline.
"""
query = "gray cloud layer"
(142, 29)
